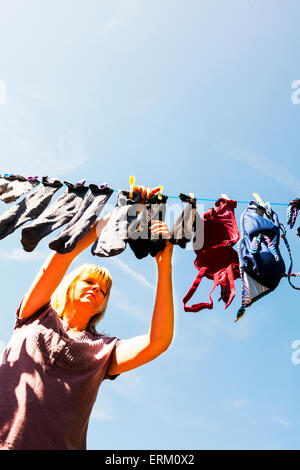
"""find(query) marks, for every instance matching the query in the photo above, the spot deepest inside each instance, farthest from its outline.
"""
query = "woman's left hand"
(161, 228)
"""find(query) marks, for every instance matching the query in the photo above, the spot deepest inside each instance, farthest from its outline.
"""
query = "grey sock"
(79, 225)
(16, 186)
(112, 240)
(29, 208)
(184, 226)
(58, 214)
(3, 185)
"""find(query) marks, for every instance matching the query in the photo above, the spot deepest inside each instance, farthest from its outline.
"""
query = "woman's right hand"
(164, 256)
(96, 229)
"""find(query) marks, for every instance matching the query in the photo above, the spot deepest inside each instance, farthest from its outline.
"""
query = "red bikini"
(217, 260)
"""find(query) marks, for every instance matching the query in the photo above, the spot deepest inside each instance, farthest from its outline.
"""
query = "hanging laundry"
(157, 212)
(16, 186)
(79, 225)
(184, 226)
(140, 239)
(55, 216)
(292, 212)
(3, 185)
(217, 260)
(138, 234)
(29, 208)
(113, 238)
(261, 264)
(289, 274)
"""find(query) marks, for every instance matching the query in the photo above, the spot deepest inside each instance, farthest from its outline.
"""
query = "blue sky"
(198, 97)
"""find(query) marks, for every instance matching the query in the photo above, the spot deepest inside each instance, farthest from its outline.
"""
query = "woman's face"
(90, 291)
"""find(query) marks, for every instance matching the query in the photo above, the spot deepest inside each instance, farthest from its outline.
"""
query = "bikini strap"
(191, 292)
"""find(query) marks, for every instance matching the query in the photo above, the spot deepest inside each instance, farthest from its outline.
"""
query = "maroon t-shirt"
(49, 383)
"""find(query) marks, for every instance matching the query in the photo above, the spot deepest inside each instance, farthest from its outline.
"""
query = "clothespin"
(160, 192)
(80, 182)
(258, 199)
(192, 195)
(224, 196)
(131, 184)
(265, 205)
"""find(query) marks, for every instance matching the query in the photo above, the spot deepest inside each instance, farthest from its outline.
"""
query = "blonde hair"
(61, 295)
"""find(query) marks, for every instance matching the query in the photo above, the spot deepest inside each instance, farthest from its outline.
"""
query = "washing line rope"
(169, 197)
(214, 200)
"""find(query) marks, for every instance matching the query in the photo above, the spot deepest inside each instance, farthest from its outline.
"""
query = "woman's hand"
(146, 193)
(160, 228)
(95, 230)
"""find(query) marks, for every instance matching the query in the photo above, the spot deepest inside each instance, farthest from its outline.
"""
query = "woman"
(55, 361)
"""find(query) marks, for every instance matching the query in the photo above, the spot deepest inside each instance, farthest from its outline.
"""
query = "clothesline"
(78, 207)
(214, 200)
(169, 197)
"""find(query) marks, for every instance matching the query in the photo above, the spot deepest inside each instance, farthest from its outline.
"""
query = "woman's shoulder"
(44, 313)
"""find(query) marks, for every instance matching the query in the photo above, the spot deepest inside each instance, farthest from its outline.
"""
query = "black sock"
(138, 234)
(140, 239)
(184, 226)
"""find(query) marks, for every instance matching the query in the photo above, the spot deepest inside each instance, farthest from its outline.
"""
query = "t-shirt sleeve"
(112, 377)
(42, 312)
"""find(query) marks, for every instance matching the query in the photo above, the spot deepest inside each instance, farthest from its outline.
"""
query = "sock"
(79, 225)
(158, 212)
(113, 238)
(3, 185)
(138, 234)
(60, 213)
(16, 186)
(140, 239)
(183, 227)
(29, 208)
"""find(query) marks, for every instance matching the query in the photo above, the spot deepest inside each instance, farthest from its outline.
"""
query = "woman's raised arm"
(139, 350)
(56, 265)
(53, 271)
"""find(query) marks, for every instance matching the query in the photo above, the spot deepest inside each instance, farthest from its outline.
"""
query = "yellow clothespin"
(258, 199)
(263, 204)
(160, 192)
(131, 184)
(224, 196)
